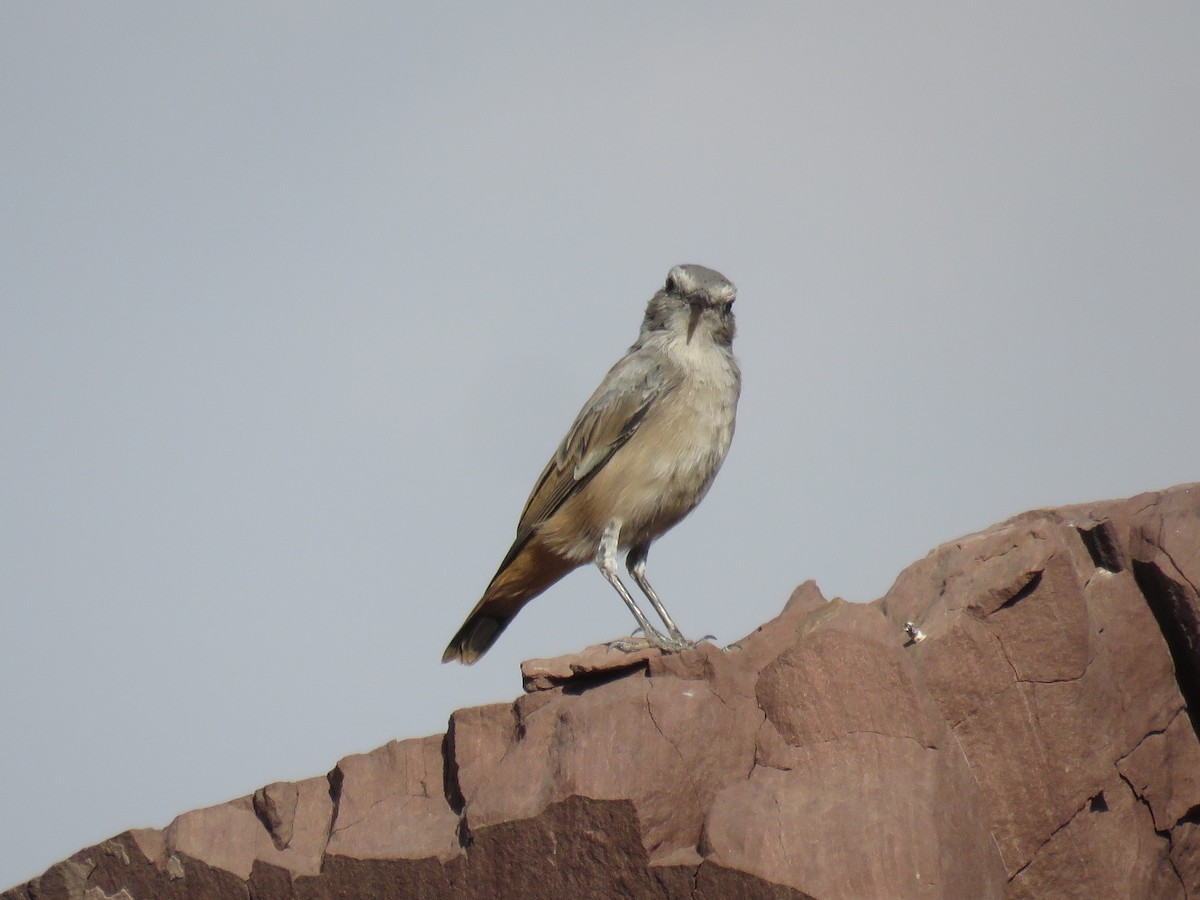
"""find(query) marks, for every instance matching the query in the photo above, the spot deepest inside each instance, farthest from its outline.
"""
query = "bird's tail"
(527, 572)
(478, 634)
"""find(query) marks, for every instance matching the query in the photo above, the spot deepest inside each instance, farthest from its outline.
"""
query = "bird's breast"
(665, 468)
(669, 464)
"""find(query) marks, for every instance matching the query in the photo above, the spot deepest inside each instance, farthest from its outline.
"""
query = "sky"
(297, 299)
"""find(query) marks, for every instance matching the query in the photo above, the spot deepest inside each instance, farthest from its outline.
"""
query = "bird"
(641, 454)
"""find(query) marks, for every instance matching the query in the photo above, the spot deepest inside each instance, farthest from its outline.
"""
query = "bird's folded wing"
(605, 424)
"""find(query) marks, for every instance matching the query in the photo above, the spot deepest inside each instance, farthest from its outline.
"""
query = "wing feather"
(605, 424)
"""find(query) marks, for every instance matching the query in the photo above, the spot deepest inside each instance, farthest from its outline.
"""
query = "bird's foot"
(668, 643)
(728, 648)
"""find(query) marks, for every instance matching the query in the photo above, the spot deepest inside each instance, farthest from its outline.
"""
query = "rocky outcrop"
(1013, 719)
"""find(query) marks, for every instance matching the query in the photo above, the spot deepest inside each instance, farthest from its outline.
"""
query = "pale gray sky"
(298, 298)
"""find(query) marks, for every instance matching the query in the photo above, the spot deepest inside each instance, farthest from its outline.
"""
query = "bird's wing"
(605, 424)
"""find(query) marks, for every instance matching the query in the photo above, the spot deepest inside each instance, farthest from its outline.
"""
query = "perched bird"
(640, 455)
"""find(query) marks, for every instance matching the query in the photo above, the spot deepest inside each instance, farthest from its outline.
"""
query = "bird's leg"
(636, 563)
(606, 562)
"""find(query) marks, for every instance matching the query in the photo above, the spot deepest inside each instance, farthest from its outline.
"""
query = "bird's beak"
(697, 310)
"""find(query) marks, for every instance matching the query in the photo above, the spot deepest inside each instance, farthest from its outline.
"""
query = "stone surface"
(595, 662)
(1039, 741)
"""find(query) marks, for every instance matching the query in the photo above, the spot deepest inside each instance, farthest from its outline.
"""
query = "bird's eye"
(727, 308)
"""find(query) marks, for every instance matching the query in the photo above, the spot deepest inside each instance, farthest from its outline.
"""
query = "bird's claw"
(668, 643)
(625, 645)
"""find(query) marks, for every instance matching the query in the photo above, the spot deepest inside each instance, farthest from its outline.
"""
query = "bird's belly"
(652, 482)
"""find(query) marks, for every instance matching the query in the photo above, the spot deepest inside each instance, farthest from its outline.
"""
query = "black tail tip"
(454, 653)
(473, 640)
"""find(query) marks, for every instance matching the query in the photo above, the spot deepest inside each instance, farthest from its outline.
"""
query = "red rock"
(391, 804)
(1163, 770)
(1039, 740)
(1108, 847)
(598, 661)
(1088, 672)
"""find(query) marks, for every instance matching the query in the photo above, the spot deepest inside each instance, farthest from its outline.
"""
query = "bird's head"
(696, 303)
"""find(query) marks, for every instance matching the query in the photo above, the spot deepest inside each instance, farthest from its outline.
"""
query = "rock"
(1090, 677)
(1039, 740)
(594, 663)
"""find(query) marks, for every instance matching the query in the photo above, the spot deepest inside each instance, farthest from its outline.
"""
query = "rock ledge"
(1037, 739)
